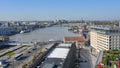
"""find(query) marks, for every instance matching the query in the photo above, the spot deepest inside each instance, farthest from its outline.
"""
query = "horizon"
(42, 10)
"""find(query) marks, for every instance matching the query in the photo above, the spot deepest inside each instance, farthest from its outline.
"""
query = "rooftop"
(59, 53)
(104, 27)
(75, 38)
(64, 46)
(56, 57)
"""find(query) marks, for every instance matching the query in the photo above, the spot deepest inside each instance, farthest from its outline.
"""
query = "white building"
(105, 38)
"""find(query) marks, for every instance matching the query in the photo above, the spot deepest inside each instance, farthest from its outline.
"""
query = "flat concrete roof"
(56, 57)
(63, 46)
(59, 53)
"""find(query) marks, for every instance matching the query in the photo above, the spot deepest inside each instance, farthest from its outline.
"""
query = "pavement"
(99, 57)
(86, 56)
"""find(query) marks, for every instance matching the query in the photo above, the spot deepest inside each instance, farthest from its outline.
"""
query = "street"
(87, 60)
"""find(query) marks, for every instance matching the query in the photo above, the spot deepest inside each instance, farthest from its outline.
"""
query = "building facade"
(79, 40)
(4, 38)
(105, 38)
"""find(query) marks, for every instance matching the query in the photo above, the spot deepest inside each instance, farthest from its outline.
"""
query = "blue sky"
(59, 9)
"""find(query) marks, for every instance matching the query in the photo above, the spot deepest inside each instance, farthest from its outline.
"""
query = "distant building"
(105, 38)
(62, 56)
(4, 38)
(7, 30)
(80, 40)
(3, 63)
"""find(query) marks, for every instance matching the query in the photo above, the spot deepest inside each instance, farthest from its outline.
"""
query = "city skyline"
(62, 9)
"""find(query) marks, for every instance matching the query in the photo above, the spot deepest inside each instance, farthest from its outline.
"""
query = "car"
(29, 51)
(83, 61)
(34, 49)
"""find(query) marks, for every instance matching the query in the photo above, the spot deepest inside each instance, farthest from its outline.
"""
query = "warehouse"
(62, 56)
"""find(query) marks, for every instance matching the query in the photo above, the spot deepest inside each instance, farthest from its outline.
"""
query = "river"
(43, 34)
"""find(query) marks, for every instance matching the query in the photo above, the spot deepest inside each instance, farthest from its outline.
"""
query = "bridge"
(18, 46)
(15, 43)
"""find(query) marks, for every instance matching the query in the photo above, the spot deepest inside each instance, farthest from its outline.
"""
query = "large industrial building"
(61, 56)
(105, 38)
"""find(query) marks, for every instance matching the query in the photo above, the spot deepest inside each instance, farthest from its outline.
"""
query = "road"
(28, 56)
(88, 59)
(99, 57)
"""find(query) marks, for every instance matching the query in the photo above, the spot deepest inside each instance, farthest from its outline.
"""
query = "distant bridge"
(18, 45)
(15, 43)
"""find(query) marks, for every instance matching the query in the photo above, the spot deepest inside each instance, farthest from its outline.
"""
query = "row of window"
(118, 36)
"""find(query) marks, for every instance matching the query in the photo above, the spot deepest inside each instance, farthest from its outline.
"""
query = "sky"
(59, 9)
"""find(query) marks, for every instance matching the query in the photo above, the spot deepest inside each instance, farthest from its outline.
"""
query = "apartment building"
(105, 38)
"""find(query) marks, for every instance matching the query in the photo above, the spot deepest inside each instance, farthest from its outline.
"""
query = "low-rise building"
(80, 40)
(62, 56)
(4, 38)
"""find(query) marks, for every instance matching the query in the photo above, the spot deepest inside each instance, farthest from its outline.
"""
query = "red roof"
(75, 38)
